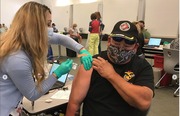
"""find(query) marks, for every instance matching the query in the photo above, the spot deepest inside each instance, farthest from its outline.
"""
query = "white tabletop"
(42, 105)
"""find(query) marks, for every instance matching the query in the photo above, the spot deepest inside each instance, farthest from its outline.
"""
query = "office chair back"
(171, 66)
(171, 60)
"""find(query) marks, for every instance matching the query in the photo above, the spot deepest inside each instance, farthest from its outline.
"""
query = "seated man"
(145, 32)
(119, 84)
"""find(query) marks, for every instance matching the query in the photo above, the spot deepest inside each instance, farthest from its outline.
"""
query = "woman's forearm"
(66, 41)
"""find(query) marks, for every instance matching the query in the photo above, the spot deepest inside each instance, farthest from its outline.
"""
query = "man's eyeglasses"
(127, 40)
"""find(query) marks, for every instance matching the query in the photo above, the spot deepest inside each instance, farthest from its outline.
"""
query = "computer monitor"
(155, 42)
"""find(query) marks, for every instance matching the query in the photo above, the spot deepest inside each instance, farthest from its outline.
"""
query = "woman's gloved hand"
(64, 68)
(86, 59)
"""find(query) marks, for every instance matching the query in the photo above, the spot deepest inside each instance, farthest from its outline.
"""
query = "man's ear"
(137, 45)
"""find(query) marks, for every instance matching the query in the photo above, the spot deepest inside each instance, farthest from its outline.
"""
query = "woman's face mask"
(50, 31)
(119, 56)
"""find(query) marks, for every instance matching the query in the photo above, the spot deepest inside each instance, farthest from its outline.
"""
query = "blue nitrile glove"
(64, 68)
(86, 60)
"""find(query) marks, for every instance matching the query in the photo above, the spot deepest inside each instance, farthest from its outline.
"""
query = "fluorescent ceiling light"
(87, 1)
(63, 2)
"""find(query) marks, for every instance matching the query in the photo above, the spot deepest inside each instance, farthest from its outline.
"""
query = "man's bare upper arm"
(81, 84)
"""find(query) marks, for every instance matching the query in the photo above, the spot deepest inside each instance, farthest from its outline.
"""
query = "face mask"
(50, 31)
(75, 27)
(119, 56)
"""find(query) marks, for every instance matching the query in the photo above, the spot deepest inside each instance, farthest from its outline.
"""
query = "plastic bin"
(158, 61)
(158, 73)
(166, 81)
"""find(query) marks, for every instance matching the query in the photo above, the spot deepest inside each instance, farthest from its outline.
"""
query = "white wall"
(82, 13)
(60, 15)
(116, 10)
(112, 11)
(9, 8)
(162, 18)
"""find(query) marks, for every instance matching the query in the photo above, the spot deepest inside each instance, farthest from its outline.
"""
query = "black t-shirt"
(102, 98)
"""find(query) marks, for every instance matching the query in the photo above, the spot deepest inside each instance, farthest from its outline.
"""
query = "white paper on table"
(61, 94)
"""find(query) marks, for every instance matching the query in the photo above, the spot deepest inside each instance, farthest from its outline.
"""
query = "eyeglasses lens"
(119, 39)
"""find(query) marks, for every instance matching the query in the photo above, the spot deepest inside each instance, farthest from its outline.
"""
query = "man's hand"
(103, 67)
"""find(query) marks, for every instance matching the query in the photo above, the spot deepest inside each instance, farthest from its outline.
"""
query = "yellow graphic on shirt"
(128, 75)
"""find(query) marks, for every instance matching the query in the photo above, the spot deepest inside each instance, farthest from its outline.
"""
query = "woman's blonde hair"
(28, 32)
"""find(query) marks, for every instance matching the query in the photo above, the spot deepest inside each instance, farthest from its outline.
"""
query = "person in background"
(94, 29)
(68, 42)
(98, 15)
(140, 51)
(145, 32)
(175, 44)
(50, 50)
(23, 50)
(119, 83)
(73, 32)
(5, 27)
(2, 28)
(54, 28)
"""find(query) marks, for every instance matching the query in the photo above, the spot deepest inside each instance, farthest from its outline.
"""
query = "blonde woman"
(23, 50)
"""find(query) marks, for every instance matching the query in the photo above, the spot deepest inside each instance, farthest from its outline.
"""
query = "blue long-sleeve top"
(56, 38)
(16, 79)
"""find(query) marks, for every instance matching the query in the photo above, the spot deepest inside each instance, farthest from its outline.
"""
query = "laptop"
(154, 42)
(61, 81)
